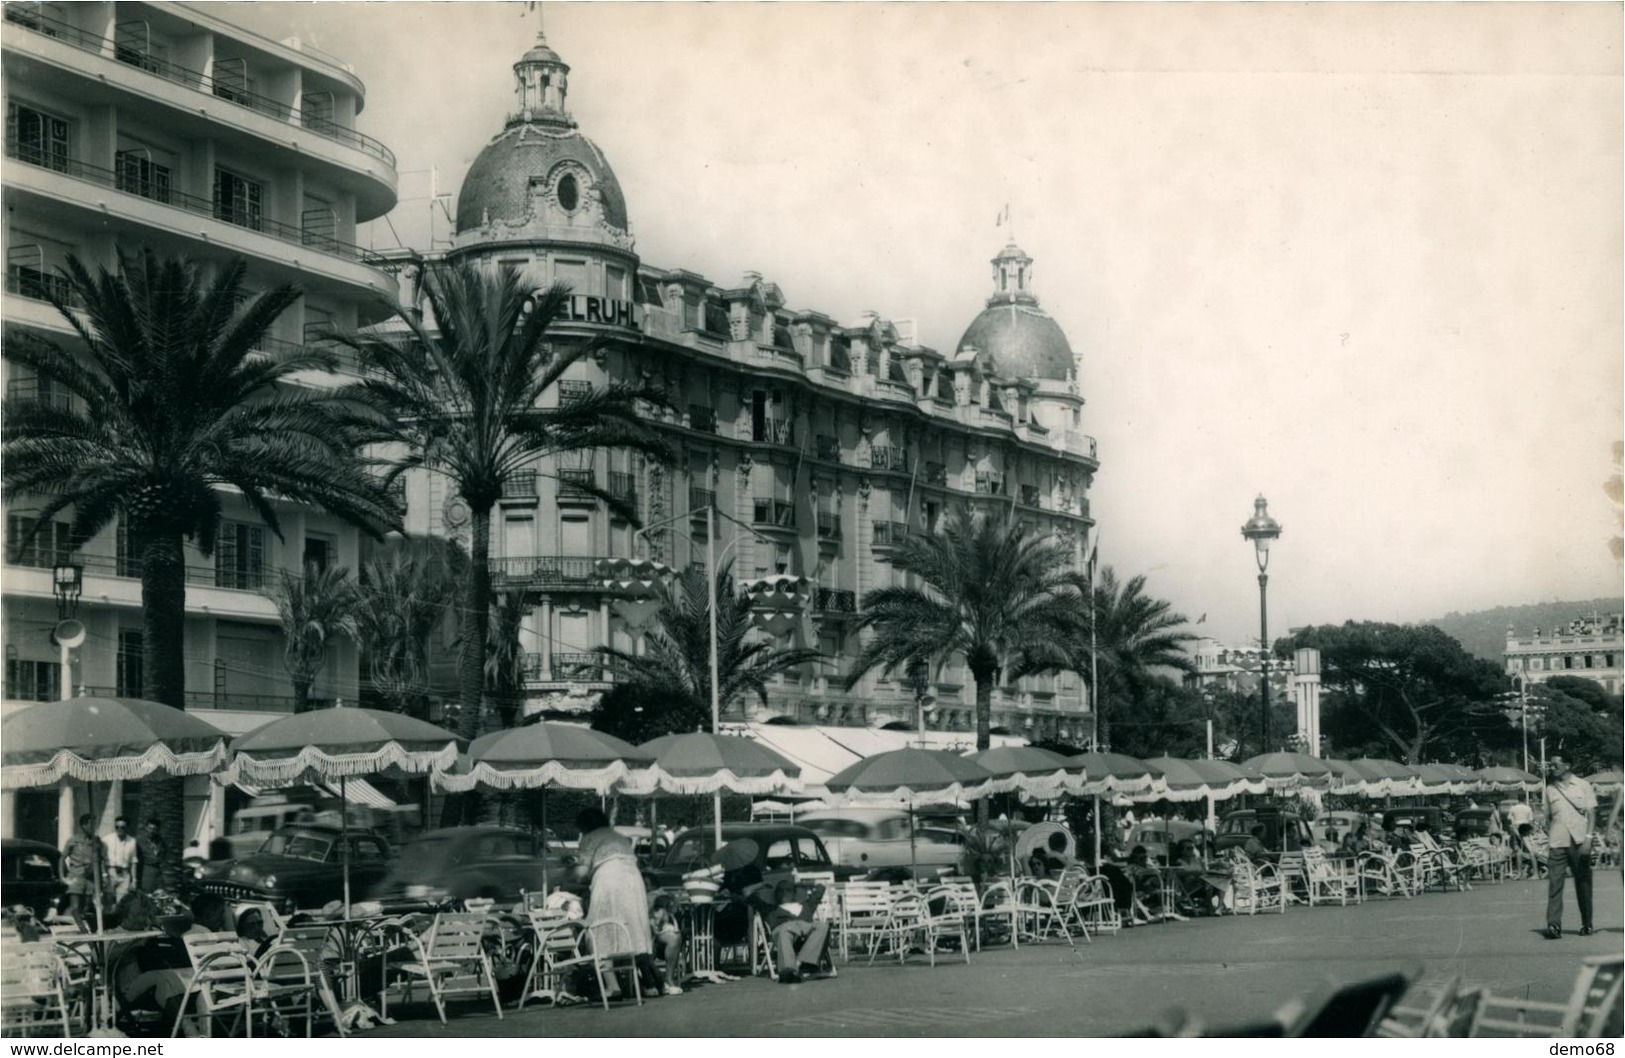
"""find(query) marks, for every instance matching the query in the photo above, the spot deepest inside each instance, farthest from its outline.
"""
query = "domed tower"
(541, 182)
(1013, 338)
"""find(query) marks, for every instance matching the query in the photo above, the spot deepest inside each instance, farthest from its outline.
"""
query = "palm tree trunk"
(163, 638)
(476, 625)
(984, 727)
(301, 695)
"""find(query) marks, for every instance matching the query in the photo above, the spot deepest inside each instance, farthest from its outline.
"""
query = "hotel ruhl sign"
(601, 312)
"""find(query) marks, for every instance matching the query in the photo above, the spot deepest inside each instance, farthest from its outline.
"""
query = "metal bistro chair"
(450, 958)
(575, 944)
(222, 982)
(554, 940)
(865, 910)
(33, 995)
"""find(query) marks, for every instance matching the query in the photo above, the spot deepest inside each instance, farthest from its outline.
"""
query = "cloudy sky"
(1365, 260)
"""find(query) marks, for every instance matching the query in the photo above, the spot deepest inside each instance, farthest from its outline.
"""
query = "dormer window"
(569, 193)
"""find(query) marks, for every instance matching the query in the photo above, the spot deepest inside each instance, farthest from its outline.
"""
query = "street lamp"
(919, 678)
(1523, 712)
(1262, 530)
(67, 582)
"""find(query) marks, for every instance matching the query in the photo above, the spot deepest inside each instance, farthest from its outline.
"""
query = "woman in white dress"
(617, 893)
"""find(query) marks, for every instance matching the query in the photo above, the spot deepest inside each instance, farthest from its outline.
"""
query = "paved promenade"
(1225, 970)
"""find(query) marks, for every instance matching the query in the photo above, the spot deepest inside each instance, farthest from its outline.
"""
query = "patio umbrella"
(1346, 778)
(1604, 781)
(1032, 770)
(537, 756)
(1193, 780)
(1285, 770)
(1437, 779)
(338, 743)
(1500, 778)
(915, 775)
(1465, 776)
(698, 762)
(1114, 773)
(1386, 777)
(104, 740)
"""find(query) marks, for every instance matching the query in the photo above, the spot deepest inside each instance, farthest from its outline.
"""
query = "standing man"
(1571, 810)
(81, 864)
(150, 854)
(122, 858)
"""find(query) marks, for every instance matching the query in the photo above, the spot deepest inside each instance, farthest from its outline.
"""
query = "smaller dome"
(540, 52)
(1023, 341)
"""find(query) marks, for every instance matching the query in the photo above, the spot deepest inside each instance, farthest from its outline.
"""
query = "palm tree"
(504, 656)
(990, 590)
(314, 607)
(173, 399)
(675, 667)
(1133, 636)
(404, 596)
(466, 402)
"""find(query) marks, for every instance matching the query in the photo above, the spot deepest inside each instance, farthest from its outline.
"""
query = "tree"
(1410, 687)
(465, 400)
(504, 657)
(989, 590)
(1133, 636)
(1579, 719)
(314, 607)
(174, 398)
(405, 596)
(672, 676)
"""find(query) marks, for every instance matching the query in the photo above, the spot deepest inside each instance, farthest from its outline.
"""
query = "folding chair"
(1414, 1021)
(1096, 907)
(763, 958)
(293, 972)
(865, 910)
(575, 944)
(33, 994)
(1256, 887)
(1383, 872)
(955, 917)
(1593, 1008)
(1345, 1011)
(450, 958)
(222, 982)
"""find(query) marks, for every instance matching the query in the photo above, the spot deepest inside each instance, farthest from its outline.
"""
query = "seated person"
(668, 938)
(1353, 841)
(1148, 895)
(1202, 888)
(1255, 849)
(788, 917)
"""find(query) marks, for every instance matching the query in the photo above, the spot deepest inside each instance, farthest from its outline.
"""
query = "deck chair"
(865, 910)
(33, 990)
(451, 960)
(574, 944)
(222, 983)
(1328, 881)
(294, 972)
(1593, 1007)
(1414, 1020)
(902, 931)
(555, 946)
(945, 912)
(1256, 887)
(1343, 1011)
(1385, 874)
(1095, 906)
(763, 959)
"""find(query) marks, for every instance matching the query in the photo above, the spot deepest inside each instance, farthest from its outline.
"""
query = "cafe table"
(96, 949)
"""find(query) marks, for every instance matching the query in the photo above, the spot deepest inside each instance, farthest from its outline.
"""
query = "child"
(668, 938)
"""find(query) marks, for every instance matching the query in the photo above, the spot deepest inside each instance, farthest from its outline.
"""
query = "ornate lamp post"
(67, 582)
(1262, 530)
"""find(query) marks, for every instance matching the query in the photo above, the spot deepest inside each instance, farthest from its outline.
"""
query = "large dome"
(1021, 338)
(500, 184)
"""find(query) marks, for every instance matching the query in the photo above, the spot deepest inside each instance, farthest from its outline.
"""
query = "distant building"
(1589, 647)
(1221, 666)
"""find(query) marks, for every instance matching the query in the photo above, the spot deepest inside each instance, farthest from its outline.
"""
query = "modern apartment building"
(831, 440)
(1588, 647)
(161, 125)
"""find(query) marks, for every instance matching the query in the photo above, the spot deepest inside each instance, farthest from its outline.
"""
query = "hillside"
(1484, 632)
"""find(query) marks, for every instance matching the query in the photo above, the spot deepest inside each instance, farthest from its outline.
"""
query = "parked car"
(1330, 827)
(1284, 830)
(865, 839)
(1439, 821)
(648, 847)
(300, 866)
(1477, 823)
(781, 850)
(30, 875)
(251, 825)
(1160, 836)
(457, 863)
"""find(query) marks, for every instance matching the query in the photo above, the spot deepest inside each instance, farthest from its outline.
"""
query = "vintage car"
(458, 863)
(864, 839)
(781, 850)
(300, 866)
(1160, 836)
(1284, 830)
(1478, 823)
(30, 875)
(1329, 827)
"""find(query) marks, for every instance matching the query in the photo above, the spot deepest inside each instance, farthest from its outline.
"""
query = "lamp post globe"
(1263, 530)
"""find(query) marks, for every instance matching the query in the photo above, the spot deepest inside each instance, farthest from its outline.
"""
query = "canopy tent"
(822, 751)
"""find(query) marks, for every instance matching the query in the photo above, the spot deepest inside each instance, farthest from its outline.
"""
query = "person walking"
(1571, 813)
(81, 866)
(122, 855)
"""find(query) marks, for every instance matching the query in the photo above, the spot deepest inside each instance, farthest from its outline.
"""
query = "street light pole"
(1263, 530)
(1523, 712)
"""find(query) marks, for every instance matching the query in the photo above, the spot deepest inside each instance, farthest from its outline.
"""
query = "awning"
(821, 751)
(356, 792)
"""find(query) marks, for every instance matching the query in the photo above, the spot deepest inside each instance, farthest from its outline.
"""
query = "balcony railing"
(36, 285)
(990, 484)
(773, 431)
(888, 457)
(253, 220)
(828, 448)
(530, 666)
(1029, 496)
(253, 703)
(836, 600)
(20, 15)
(573, 391)
(547, 571)
(702, 418)
(577, 485)
(520, 486)
(829, 525)
(578, 667)
(698, 498)
(890, 534)
(779, 513)
(936, 474)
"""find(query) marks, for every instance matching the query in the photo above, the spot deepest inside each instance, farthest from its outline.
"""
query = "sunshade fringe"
(315, 763)
(158, 760)
(482, 775)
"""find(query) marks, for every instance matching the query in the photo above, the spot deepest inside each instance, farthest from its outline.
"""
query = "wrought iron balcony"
(623, 486)
(702, 417)
(547, 571)
(890, 534)
(989, 484)
(836, 600)
(773, 431)
(888, 457)
(38, 391)
(577, 485)
(576, 666)
(699, 498)
(828, 448)
(936, 474)
(778, 513)
(573, 391)
(1029, 496)
(36, 285)
(829, 525)
(520, 486)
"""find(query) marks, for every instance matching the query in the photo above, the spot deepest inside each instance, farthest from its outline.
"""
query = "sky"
(1364, 260)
